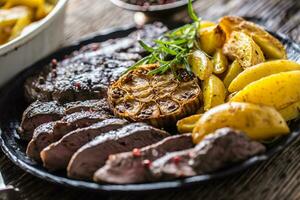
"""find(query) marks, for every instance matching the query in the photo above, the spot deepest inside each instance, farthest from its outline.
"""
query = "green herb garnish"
(172, 49)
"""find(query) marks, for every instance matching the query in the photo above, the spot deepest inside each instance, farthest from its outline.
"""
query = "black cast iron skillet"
(12, 104)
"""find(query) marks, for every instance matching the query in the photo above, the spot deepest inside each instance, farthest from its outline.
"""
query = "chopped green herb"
(172, 49)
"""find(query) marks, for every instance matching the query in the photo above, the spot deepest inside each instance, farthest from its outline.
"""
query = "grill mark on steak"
(93, 155)
(128, 167)
(86, 74)
(39, 113)
(215, 151)
(57, 155)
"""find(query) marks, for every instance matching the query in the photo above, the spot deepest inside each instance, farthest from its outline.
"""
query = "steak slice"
(76, 79)
(39, 113)
(87, 73)
(46, 134)
(77, 120)
(42, 137)
(57, 155)
(89, 105)
(93, 155)
(129, 167)
(226, 146)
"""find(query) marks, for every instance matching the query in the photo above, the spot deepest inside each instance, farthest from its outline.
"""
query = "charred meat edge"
(36, 114)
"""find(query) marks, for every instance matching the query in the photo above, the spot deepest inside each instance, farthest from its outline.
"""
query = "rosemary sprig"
(172, 49)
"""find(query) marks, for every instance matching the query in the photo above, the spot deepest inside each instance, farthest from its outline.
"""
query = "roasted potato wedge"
(186, 125)
(202, 67)
(20, 25)
(277, 90)
(9, 17)
(220, 62)
(232, 72)
(205, 24)
(272, 48)
(291, 112)
(261, 70)
(214, 92)
(257, 121)
(211, 38)
(43, 11)
(241, 47)
(5, 34)
(29, 3)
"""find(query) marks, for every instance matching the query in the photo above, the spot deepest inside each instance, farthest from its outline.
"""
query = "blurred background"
(282, 16)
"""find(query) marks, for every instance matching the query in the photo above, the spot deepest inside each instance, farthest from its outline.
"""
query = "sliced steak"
(47, 134)
(93, 155)
(42, 112)
(87, 73)
(226, 146)
(42, 137)
(39, 113)
(57, 155)
(129, 167)
(78, 120)
(89, 105)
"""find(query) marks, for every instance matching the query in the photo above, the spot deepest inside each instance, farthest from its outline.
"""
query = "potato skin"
(241, 47)
(261, 70)
(211, 38)
(186, 125)
(232, 72)
(257, 121)
(214, 92)
(272, 47)
(205, 24)
(220, 62)
(291, 112)
(277, 90)
(202, 67)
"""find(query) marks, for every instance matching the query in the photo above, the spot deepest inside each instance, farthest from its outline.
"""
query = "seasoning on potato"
(272, 47)
(242, 47)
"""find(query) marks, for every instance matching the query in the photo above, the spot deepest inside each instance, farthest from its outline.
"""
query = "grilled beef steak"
(129, 167)
(49, 133)
(93, 155)
(57, 155)
(42, 112)
(215, 151)
(89, 105)
(39, 113)
(42, 137)
(78, 120)
(87, 73)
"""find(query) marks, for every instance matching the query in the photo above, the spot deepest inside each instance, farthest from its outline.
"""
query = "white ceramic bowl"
(42, 38)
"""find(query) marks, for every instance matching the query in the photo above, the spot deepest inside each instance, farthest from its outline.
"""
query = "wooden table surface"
(277, 178)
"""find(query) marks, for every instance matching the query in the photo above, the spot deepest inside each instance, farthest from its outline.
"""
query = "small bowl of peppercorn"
(163, 10)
